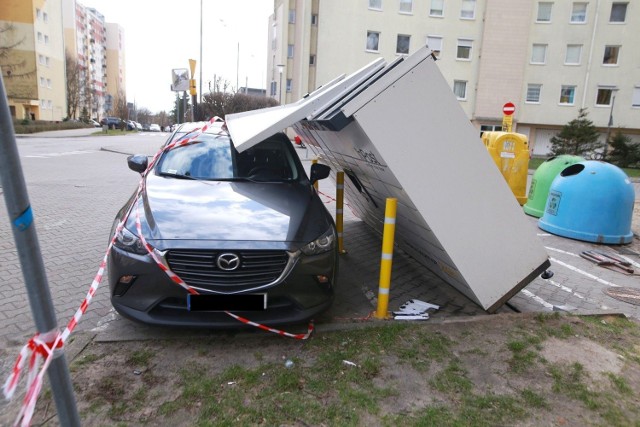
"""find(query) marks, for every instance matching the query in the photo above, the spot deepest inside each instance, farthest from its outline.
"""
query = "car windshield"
(213, 157)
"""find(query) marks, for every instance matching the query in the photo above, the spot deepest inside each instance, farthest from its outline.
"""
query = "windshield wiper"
(176, 175)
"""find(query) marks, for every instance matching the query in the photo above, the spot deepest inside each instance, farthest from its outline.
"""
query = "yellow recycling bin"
(510, 152)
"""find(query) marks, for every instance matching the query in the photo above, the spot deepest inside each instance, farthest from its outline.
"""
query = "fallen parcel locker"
(398, 131)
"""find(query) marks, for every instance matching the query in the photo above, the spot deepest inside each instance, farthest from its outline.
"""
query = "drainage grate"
(630, 295)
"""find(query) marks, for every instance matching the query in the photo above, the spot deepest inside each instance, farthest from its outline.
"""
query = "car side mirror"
(318, 172)
(138, 163)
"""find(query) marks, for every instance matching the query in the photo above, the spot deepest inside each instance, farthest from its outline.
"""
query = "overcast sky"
(162, 35)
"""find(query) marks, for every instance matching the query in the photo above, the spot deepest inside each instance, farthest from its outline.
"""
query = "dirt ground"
(524, 370)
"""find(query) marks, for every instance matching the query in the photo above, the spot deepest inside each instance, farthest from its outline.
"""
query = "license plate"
(244, 302)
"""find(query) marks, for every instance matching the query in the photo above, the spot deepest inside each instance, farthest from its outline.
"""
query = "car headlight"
(322, 244)
(127, 241)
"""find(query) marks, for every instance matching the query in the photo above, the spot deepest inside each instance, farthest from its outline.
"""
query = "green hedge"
(34, 126)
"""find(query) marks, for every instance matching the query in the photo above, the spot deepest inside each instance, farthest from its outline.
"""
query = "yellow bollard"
(386, 260)
(340, 211)
(315, 184)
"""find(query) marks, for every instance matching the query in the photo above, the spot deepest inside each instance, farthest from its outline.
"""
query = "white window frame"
(398, 42)
(49, 83)
(312, 60)
(46, 39)
(369, 34)
(373, 6)
(290, 50)
(45, 16)
(42, 82)
(438, 3)
(546, 3)
(533, 59)
(610, 89)
(460, 83)
(435, 45)
(635, 99)
(289, 85)
(473, 5)
(572, 18)
(292, 16)
(604, 57)
(535, 86)
(314, 19)
(38, 13)
(566, 56)
(405, 2)
(573, 89)
(39, 37)
(626, 8)
(463, 43)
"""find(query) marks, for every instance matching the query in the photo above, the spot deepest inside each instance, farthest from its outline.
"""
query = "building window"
(437, 8)
(468, 10)
(635, 100)
(603, 98)
(460, 89)
(45, 16)
(406, 6)
(314, 19)
(49, 104)
(618, 12)
(42, 81)
(273, 88)
(289, 84)
(490, 128)
(402, 44)
(292, 16)
(49, 83)
(290, 51)
(544, 11)
(43, 104)
(46, 39)
(533, 93)
(41, 60)
(39, 37)
(567, 94)
(435, 44)
(464, 49)
(373, 39)
(375, 4)
(611, 55)
(38, 14)
(539, 54)
(574, 54)
(312, 60)
(579, 13)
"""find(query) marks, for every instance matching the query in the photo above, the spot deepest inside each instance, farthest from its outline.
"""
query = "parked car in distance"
(138, 126)
(95, 123)
(247, 231)
(154, 127)
(111, 122)
(145, 126)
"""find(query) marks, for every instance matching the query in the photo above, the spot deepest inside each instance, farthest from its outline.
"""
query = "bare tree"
(17, 71)
(74, 71)
(120, 108)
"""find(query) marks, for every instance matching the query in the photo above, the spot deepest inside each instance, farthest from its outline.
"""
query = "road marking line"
(562, 252)
(537, 299)
(577, 295)
(584, 273)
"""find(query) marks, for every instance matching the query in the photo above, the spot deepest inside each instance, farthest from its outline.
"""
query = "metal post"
(184, 106)
(340, 211)
(24, 233)
(608, 140)
(386, 260)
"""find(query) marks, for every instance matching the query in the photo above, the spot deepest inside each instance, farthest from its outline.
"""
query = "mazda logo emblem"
(228, 262)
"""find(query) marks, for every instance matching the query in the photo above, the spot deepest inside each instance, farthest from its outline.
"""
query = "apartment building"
(549, 58)
(98, 47)
(33, 67)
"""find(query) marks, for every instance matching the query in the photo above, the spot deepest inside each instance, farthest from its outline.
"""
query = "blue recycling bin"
(590, 201)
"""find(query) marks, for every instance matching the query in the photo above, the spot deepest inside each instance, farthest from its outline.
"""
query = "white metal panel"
(250, 127)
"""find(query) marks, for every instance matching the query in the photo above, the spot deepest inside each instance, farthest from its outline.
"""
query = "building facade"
(549, 58)
(32, 63)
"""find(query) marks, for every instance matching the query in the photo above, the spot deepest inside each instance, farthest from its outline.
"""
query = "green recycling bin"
(541, 182)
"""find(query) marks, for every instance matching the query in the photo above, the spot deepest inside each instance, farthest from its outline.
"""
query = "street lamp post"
(609, 125)
(280, 70)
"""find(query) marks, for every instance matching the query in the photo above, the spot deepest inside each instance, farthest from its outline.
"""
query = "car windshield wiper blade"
(176, 175)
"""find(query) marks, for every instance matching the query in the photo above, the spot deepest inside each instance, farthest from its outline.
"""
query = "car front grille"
(198, 268)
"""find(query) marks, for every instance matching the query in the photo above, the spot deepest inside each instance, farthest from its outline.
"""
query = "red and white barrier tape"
(40, 348)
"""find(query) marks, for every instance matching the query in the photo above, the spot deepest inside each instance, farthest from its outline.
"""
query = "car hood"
(179, 209)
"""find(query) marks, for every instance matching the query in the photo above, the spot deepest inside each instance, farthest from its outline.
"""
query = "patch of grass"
(620, 383)
(568, 380)
(533, 399)
(452, 380)
(140, 357)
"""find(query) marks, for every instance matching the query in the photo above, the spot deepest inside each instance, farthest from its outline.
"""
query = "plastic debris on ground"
(414, 310)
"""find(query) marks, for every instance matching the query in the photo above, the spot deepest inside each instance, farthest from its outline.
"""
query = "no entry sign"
(508, 109)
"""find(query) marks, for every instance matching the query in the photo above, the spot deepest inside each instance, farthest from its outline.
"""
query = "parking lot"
(77, 184)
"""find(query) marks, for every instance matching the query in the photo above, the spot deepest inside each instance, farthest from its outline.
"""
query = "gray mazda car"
(246, 232)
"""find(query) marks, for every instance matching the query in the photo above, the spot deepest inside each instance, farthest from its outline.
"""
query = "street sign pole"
(24, 233)
(507, 119)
